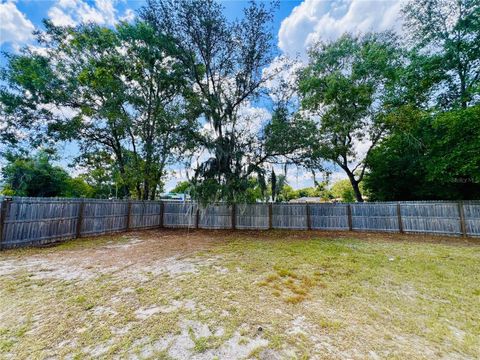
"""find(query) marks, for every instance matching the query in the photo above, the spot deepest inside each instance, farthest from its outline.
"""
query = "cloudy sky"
(297, 24)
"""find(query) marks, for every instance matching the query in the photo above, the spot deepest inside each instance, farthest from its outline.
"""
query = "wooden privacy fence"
(36, 221)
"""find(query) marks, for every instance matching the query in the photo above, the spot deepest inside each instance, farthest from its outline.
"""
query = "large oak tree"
(225, 60)
(117, 91)
(347, 91)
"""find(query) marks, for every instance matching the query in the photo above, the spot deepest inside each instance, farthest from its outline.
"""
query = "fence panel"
(179, 214)
(145, 214)
(38, 221)
(431, 217)
(329, 216)
(104, 216)
(35, 221)
(375, 216)
(471, 211)
(289, 216)
(252, 216)
(218, 216)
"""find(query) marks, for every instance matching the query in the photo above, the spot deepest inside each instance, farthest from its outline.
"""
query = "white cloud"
(315, 20)
(59, 17)
(15, 28)
(251, 119)
(281, 77)
(128, 16)
(73, 12)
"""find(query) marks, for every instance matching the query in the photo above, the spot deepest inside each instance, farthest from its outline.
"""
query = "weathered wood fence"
(36, 221)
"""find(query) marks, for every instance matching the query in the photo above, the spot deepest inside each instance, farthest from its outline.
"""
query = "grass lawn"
(178, 294)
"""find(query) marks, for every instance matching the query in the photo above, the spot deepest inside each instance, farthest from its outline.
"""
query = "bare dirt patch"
(133, 253)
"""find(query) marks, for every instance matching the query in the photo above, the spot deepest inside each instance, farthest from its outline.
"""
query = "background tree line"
(400, 118)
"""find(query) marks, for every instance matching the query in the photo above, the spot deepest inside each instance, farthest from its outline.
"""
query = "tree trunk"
(463, 90)
(121, 166)
(146, 188)
(139, 191)
(356, 188)
(153, 193)
(354, 182)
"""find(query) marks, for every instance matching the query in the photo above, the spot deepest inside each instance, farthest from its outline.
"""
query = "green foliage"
(349, 85)
(78, 187)
(102, 173)
(433, 149)
(134, 98)
(434, 157)
(287, 132)
(118, 91)
(36, 176)
(24, 74)
(256, 191)
(225, 60)
(182, 187)
(449, 33)
(455, 152)
(342, 189)
(288, 193)
(277, 185)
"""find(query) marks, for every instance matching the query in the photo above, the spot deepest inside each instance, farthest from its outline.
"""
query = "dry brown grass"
(275, 294)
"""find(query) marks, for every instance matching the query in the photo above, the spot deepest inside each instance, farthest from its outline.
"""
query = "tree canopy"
(347, 90)
(184, 84)
(36, 176)
(225, 60)
(117, 91)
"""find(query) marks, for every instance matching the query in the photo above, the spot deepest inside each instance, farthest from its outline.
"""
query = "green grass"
(411, 300)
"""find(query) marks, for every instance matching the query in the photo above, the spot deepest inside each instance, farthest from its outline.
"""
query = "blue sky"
(34, 11)
(297, 25)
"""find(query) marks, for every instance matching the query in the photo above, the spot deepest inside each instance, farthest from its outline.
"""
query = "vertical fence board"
(162, 211)
(309, 218)
(463, 227)
(289, 216)
(78, 226)
(216, 216)
(471, 213)
(104, 217)
(431, 217)
(375, 217)
(3, 214)
(145, 214)
(37, 221)
(179, 214)
(252, 216)
(329, 216)
(399, 218)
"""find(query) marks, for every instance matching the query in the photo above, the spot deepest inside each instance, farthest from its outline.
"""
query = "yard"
(231, 295)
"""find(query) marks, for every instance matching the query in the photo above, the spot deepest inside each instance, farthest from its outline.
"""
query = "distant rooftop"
(307, 199)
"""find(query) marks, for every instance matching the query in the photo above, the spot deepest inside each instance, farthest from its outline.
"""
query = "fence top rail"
(42, 200)
(24, 199)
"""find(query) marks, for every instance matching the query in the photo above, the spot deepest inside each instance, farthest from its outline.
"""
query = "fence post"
(234, 216)
(129, 214)
(461, 211)
(349, 216)
(197, 217)
(399, 217)
(162, 210)
(270, 216)
(309, 221)
(80, 219)
(5, 205)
